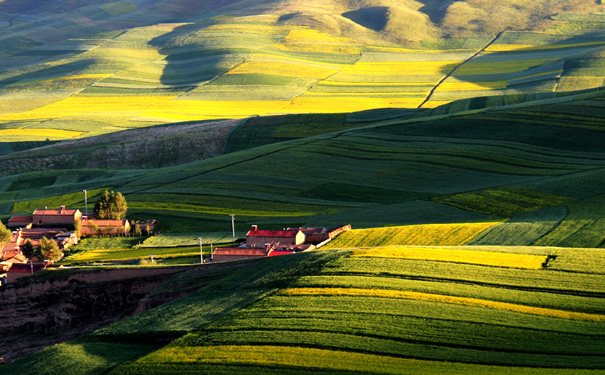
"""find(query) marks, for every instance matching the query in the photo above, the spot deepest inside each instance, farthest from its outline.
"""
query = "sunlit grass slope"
(389, 310)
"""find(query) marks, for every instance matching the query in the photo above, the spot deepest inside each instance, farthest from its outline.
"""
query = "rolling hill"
(72, 70)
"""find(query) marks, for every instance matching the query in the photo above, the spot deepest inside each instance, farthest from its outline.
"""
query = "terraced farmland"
(366, 311)
(460, 169)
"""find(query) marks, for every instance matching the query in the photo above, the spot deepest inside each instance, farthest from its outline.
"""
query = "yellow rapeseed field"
(422, 235)
(554, 313)
(84, 105)
(376, 84)
(217, 108)
(485, 258)
(529, 47)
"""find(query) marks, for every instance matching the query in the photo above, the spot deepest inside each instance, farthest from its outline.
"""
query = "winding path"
(448, 75)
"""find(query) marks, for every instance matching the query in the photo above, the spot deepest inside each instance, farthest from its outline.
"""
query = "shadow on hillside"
(373, 18)
(188, 64)
(54, 71)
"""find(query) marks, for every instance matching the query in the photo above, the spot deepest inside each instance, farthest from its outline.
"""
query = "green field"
(333, 311)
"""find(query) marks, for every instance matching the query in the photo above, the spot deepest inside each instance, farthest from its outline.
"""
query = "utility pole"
(201, 254)
(233, 227)
(86, 201)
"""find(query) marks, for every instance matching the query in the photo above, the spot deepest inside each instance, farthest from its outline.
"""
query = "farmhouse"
(56, 217)
(262, 238)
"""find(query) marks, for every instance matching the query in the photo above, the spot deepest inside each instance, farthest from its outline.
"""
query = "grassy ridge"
(357, 311)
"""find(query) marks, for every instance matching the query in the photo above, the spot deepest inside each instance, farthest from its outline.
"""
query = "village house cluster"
(267, 243)
(54, 224)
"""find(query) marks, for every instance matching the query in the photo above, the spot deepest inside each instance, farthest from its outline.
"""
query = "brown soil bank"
(39, 312)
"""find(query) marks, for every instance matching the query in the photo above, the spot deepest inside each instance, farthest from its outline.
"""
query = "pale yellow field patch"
(284, 68)
(312, 35)
(53, 134)
(137, 53)
(485, 258)
(62, 79)
(553, 313)
(403, 50)
(343, 49)
(401, 68)
(249, 28)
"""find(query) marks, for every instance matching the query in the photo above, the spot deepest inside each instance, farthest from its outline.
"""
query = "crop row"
(581, 281)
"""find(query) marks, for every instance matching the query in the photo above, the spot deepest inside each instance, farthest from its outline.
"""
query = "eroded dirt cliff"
(36, 313)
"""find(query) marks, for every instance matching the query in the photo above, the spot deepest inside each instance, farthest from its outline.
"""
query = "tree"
(5, 235)
(28, 249)
(111, 206)
(50, 250)
(78, 228)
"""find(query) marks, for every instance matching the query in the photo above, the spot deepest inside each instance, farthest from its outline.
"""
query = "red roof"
(21, 219)
(55, 212)
(273, 233)
(275, 253)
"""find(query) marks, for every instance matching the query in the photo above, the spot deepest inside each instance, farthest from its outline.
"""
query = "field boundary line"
(571, 292)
